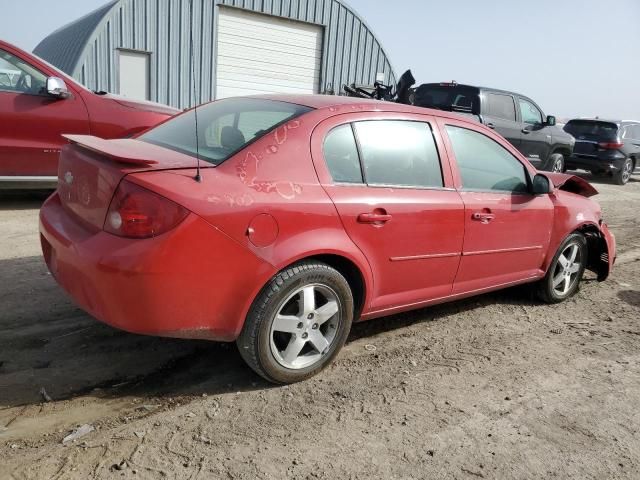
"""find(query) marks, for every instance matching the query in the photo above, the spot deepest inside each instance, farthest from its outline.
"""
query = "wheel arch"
(351, 272)
(585, 228)
(597, 250)
(562, 149)
(355, 268)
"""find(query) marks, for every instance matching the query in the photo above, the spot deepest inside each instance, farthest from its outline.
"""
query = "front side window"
(501, 106)
(20, 77)
(529, 112)
(224, 127)
(399, 153)
(484, 164)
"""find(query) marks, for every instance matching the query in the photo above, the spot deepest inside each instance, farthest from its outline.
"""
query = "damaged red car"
(283, 219)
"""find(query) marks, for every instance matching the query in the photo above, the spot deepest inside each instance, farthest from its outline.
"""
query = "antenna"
(198, 177)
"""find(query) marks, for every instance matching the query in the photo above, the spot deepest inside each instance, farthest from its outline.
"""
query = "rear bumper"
(596, 164)
(193, 282)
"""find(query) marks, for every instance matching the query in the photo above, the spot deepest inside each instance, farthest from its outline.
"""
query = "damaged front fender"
(602, 251)
(572, 184)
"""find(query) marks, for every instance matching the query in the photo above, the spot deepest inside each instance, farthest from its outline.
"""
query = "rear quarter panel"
(268, 199)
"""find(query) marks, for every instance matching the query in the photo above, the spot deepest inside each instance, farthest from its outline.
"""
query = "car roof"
(319, 102)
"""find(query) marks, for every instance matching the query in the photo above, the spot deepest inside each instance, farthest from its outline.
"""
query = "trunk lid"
(91, 168)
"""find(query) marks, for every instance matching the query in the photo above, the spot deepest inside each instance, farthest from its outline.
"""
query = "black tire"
(622, 176)
(556, 163)
(546, 290)
(256, 343)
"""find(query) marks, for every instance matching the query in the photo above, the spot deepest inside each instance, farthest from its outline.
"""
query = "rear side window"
(592, 130)
(501, 106)
(529, 112)
(399, 153)
(448, 97)
(632, 132)
(484, 164)
(341, 155)
(224, 127)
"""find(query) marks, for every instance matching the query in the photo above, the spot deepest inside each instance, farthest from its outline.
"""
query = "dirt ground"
(499, 386)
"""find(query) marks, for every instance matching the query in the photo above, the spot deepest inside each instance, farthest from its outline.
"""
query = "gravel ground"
(498, 386)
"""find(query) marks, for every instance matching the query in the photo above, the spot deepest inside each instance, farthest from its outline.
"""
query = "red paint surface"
(33, 125)
(273, 204)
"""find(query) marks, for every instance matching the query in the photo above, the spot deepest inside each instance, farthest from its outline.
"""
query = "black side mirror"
(551, 121)
(541, 185)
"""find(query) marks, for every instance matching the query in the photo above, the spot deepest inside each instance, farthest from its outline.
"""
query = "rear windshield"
(591, 130)
(451, 98)
(224, 127)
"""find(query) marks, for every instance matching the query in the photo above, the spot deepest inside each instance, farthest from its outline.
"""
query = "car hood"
(572, 183)
(142, 105)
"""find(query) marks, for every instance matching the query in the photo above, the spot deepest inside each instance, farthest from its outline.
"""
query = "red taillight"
(610, 145)
(136, 212)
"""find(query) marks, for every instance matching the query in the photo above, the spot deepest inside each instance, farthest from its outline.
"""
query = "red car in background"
(309, 212)
(38, 103)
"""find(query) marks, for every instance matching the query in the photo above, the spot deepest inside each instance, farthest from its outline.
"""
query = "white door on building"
(265, 54)
(134, 74)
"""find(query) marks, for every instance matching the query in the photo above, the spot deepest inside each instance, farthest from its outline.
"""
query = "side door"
(390, 181)
(32, 121)
(536, 138)
(499, 114)
(507, 229)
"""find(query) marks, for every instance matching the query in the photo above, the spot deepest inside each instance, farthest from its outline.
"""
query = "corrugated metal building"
(144, 48)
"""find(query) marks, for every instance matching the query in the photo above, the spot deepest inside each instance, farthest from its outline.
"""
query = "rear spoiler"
(124, 150)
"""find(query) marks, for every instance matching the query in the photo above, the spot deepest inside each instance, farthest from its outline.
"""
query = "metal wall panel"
(351, 53)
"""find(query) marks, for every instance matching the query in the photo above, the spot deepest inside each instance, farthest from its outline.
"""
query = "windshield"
(446, 97)
(224, 127)
(591, 130)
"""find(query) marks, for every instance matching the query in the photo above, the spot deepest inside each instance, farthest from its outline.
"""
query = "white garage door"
(134, 74)
(264, 54)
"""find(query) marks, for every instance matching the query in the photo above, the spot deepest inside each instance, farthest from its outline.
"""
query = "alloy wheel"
(567, 268)
(305, 326)
(558, 166)
(627, 170)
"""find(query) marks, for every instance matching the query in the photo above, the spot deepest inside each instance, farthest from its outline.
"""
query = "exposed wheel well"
(353, 275)
(596, 249)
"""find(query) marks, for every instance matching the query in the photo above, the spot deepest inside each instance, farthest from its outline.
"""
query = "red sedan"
(309, 212)
(38, 103)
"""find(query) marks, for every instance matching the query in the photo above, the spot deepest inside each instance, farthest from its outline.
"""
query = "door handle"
(491, 126)
(526, 131)
(374, 218)
(483, 217)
